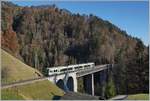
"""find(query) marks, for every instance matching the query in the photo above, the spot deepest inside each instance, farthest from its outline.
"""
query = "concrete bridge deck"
(90, 71)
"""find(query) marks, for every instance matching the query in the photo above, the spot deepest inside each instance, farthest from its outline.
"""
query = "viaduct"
(68, 81)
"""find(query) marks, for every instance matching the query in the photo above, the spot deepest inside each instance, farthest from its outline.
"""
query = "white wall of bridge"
(56, 78)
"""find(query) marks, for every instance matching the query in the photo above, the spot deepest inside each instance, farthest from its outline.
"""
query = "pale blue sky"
(133, 17)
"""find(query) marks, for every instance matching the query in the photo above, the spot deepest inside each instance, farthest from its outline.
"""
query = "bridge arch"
(70, 84)
(60, 84)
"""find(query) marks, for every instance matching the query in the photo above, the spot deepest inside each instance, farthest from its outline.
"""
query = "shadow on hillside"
(55, 97)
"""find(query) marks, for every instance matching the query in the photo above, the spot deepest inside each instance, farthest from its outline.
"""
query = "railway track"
(23, 82)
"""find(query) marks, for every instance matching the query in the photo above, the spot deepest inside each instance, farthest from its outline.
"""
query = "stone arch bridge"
(68, 81)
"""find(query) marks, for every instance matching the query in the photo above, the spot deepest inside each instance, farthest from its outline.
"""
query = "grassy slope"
(41, 90)
(16, 69)
(138, 97)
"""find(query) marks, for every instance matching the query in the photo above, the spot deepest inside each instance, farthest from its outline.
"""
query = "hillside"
(41, 90)
(15, 70)
(47, 36)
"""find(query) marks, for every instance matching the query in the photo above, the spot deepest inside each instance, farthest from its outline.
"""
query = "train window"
(80, 66)
(65, 69)
(76, 67)
(87, 66)
(51, 71)
(69, 68)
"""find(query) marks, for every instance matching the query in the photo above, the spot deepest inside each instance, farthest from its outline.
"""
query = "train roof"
(56, 67)
(71, 65)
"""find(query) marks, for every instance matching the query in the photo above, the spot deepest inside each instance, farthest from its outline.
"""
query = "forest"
(46, 36)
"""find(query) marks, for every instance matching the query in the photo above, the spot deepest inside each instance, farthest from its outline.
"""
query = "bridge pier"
(92, 84)
(89, 84)
(75, 84)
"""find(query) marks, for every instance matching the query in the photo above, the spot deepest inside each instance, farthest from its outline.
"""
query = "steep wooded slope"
(46, 36)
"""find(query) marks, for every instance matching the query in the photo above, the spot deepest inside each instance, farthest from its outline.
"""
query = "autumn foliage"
(46, 36)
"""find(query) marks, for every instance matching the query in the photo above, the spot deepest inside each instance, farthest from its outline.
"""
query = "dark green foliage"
(45, 71)
(4, 25)
(80, 85)
(137, 77)
(110, 90)
(120, 72)
(98, 89)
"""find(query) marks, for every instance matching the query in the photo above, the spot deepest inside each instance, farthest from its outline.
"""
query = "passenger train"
(69, 68)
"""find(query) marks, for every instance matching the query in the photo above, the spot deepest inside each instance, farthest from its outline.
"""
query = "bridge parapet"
(93, 70)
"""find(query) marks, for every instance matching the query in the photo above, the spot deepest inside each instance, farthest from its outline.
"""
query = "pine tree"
(110, 88)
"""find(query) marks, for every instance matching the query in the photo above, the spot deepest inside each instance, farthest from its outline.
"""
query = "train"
(70, 68)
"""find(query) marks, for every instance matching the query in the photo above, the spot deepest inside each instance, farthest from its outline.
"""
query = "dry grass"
(41, 90)
(15, 70)
(138, 97)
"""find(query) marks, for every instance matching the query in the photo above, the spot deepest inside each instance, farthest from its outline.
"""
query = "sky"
(131, 16)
